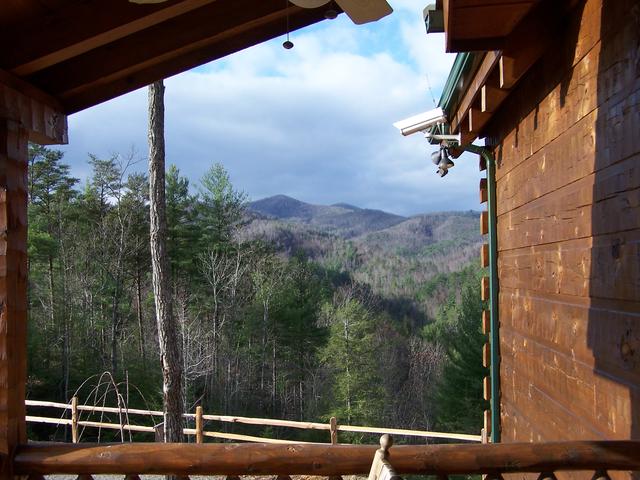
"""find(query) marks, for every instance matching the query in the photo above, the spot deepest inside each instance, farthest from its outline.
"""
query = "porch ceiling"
(84, 52)
(473, 25)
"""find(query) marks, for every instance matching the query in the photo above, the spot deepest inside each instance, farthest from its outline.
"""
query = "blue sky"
(314, 122)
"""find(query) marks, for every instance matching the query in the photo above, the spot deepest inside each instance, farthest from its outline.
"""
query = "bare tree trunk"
(140, 318)
(170, 353)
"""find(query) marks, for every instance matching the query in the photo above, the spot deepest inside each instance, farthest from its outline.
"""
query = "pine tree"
(459, 397)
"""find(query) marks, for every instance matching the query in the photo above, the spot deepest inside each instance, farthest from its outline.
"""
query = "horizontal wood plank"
(600, 404)
(602, 267)
(592, 332)
(598, 204)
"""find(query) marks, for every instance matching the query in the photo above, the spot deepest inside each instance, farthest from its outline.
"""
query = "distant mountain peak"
(348, 206)
(341, 219)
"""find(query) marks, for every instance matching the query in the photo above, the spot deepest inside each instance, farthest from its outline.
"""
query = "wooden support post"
(132, 476)
(484, 223)
(484, 255)
(486, 322)
(333, 428)
(486, 355)
(199, 425)
(74, 419)
(483, 190)
(484, 289)
(13, 289)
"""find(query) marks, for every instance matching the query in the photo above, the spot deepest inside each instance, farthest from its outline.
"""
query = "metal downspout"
(494, 337)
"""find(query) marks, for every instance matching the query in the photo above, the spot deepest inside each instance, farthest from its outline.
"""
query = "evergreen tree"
(459, 399)
(221, 208)
(350, 354)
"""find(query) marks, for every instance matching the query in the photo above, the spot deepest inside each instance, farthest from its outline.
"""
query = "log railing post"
(199, 426)
(74, 419)
(333, 428)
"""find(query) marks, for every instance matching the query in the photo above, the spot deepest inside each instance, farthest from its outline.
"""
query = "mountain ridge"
(343, 219)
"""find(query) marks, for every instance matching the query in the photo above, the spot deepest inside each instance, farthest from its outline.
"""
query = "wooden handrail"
(325, 460)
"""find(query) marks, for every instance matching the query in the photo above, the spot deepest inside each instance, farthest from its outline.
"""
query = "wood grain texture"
(13, 286)
(38, 113)
(568, 188)
(90, 31)
(261, 459)
(191, 56)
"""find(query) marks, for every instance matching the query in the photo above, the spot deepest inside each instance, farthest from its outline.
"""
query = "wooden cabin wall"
(567, 143)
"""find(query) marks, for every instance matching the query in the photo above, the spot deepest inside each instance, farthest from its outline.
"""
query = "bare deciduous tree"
(170, 353)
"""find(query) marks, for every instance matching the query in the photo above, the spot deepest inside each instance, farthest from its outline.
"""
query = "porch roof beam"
(79, 28)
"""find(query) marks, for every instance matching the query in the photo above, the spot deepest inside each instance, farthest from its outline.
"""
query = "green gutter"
(494, 336)
(460, 64)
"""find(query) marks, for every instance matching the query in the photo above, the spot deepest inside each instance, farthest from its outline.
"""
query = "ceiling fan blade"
(365, 11)
(309, 3)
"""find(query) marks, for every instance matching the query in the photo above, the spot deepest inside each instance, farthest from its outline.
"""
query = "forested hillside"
(334, 311)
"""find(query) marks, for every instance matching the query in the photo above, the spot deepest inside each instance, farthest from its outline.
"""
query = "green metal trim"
(494, 336)
(453, 80)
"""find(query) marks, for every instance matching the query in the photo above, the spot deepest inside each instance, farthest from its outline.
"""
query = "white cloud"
(313, 122)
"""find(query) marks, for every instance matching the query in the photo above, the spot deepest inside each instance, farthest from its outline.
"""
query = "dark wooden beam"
(520, 52)
(38, 113)
(471, 93)
(205, 25)
(257, 30)
(491, 97)
(323, 460)
(456, 45)
(81, 27)
(477, 120)
(13, 289)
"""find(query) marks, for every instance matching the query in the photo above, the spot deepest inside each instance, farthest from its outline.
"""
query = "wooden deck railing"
(333, 427)
(327, 460)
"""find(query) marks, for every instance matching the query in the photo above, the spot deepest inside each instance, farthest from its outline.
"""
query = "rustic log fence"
(333, 427)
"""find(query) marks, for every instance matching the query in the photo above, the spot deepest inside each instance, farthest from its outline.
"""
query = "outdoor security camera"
(419, 123)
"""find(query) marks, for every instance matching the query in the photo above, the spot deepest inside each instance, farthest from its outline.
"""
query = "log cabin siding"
(567, 144)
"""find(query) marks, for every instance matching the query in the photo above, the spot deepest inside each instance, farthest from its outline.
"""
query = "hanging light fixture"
(442, 160)
(287, 44)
